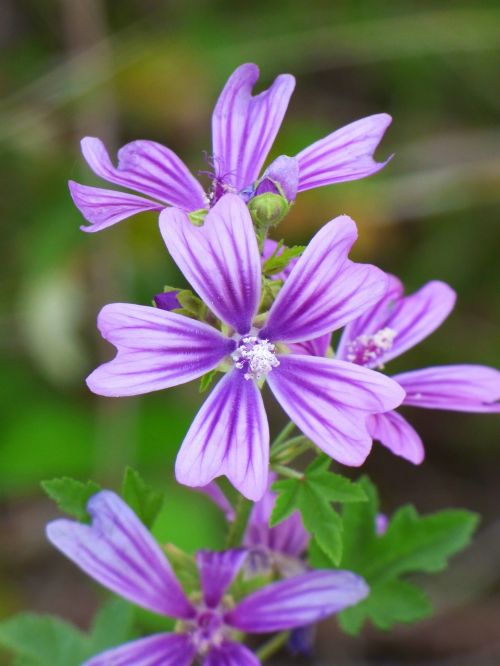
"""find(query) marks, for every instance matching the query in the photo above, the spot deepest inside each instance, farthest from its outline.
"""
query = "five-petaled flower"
(119, 552)
(243, 131)
(329, 400)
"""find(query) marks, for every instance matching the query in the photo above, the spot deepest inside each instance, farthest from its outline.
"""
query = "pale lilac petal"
(317, 347)
(394, 432)
(214, 493)
(300, 600)
(230, 436)
(325, 290)
(244, 127)
(103, 208)
(231, 654)
(282, 174)
(119, 552)
(329, 401)
(346, 154)
(220, 259)
(156, 349)
(157, 650)
(381, 524)
(149, 168)
(217, 572)
(461, 388)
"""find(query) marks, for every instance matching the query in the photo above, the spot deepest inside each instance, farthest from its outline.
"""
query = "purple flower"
(243, 129)
(119, 552)
(394, 325)
(329, 400)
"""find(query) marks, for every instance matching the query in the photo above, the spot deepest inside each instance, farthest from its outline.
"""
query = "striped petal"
(346, 154)
(244, 127)
(156, 349)
(157, 650)
(325, 290)
(230, 436)
(231, 654)
(395, 433)
(217, 572)
(298, 601)
(117, 551)
(220, 259)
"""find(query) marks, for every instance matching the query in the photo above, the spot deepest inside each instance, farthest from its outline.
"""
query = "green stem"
(289, 449)
(238, 526)
(288, 472)
(287, 430)
(273, 646)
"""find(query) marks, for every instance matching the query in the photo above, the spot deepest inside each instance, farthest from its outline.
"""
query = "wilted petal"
(325, 290)
(461, 388)
(156, 349)
(231, 654)
(395, 433)
(217, 572)
(220, 259)
(230, 435)
(244, 127)
(298, 601)
(346, 154)
(103, 208)
(149, 168)
(119, 552)
(213, 492)
(158, 650)
(329, 401)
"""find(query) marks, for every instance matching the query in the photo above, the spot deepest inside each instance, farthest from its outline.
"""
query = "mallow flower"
(329, 400)
(392, 326)
(243, 131)
(120, 553)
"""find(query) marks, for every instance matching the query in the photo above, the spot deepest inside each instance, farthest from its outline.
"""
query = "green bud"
(267, 210)
(197, 217)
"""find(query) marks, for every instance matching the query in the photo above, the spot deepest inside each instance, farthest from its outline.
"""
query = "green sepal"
(276, 263)
(197, 217)
(267, 210)
(184, 566)
(207, 380)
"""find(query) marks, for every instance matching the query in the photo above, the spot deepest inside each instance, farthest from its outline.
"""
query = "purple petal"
(214, 493)
(395, 433)
(103, 208)
(167, 300)
(346, 154)
(284, 171)
(324, 290)
(381, 524)
(461, 388)
(230, 435)
(244, 127)
(158, 650)
(217, 572)
(317, 347)
(220, 259)
(156, 349)
(297, 601)
(329, 401)
(119, 552)
(149, 168)
(231, 654)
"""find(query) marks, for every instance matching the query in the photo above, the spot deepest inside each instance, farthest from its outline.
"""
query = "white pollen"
(257, 357)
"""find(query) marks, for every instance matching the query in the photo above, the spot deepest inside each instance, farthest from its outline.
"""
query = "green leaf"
(278, 262)
(206, 380)
(286, 500)
(43, 640)
(144, 500)
(112, 625)
(71, 496)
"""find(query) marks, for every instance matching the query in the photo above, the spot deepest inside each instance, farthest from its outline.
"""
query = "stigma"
(368, 350)
(255, 357)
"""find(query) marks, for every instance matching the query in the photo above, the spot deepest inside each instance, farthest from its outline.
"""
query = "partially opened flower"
(119, 552)
(394, 325)
(329, 400)
(243, 131)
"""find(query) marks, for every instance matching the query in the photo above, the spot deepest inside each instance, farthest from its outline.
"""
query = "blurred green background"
(151, 69)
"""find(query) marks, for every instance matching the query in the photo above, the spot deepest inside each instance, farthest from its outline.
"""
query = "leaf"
(71, 496)
(112, 625)
(286, 500)
(144, 500)
(206, 380)
(281, 257)
(43, 640)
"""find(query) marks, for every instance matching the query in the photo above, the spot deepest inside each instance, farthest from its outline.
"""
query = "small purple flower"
(394, 325)
(329, 400)
(243, 129)
(119, 552)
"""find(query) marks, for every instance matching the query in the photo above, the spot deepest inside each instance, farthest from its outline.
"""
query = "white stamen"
(256, 357)
(366, 349)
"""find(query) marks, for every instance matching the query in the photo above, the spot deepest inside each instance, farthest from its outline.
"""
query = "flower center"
(255, 357)
(206, 630)
(369, 349)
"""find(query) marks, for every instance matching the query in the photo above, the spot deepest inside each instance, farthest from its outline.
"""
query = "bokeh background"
(152, 69)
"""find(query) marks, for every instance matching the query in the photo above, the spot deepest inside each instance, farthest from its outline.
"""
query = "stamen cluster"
(256, 357)
(368, 349)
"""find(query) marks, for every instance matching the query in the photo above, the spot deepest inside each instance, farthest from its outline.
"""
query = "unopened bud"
(267, 210)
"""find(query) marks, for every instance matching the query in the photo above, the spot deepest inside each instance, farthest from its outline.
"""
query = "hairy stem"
(273, 646)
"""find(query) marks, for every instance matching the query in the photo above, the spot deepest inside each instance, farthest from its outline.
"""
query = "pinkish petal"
(325, 290)
(103, 208)
(217, 572)
(156, 349)
(120, 553)
(231, 654)
(346, 154)
(149, 168)
(220, 259)
(329, 401)
(461, 388)
(395, 433)
(244, 127)
(229, 436)
(298, 601)
(157, 650)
